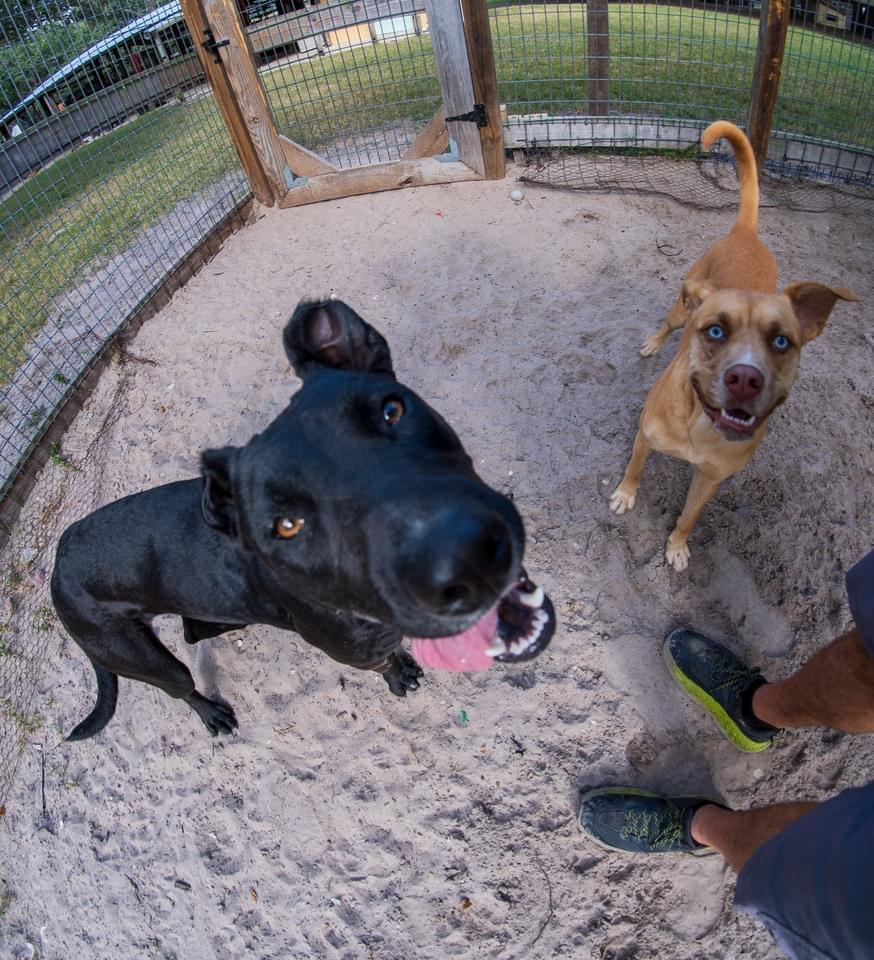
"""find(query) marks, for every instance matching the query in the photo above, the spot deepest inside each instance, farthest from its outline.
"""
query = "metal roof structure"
(160, 17)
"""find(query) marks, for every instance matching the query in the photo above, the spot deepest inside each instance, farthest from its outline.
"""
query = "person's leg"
(811, 882)
(804, 868)
(834, 689)
(640, 821)
(737, 834)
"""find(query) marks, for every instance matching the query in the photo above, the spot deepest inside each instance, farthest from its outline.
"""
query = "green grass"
(664, 61)
(317, 100)
(91, 203)
(673, 62)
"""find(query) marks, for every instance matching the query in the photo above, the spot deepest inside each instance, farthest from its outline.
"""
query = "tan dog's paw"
(677, 553)
(622, 500)
(652, 346)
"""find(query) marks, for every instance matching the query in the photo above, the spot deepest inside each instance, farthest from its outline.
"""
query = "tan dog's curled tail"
(747, 174)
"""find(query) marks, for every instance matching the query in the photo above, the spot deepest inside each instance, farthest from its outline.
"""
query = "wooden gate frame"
(286, 174)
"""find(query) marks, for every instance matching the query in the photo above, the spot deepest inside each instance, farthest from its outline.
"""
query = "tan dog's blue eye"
(715, 332)
(285, 528)
(393, 410)
(781, 342)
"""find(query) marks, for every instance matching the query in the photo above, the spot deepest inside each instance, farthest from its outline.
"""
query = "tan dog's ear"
(812, 303)
(693, 292)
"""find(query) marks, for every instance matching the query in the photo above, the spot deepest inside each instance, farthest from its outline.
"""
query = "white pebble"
(516, 196)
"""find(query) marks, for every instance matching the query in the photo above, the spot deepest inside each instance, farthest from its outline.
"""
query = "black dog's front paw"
(403, 673)
(217, 717)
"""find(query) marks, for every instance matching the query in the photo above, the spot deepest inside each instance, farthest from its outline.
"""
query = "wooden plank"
(598, 40)
(239, 64)
(304, 162)
(228, 106)
(485, 85)
(453, 71)
(773, 25)
(377, 177)
(433, 139)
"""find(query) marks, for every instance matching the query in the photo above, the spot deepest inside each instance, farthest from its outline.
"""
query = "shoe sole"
(635, 792)
(729, 729)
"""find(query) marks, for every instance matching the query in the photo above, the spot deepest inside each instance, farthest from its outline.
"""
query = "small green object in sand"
(463, 718)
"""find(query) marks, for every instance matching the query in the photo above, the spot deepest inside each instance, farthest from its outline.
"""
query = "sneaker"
(638, 821)
(714, 677)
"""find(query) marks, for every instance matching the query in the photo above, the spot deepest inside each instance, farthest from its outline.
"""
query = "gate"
(463, 140)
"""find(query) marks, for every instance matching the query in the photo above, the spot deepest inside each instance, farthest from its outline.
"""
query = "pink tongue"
(464, 651)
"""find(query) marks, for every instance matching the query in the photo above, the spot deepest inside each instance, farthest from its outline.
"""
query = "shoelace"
(731, 676)
(657, 831)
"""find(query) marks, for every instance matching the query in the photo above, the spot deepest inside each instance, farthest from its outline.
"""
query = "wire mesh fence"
(825, 93)
(707, 182)
(360, 81)
(662, 60)
(355, 80)
(650, 76)
(114, 166)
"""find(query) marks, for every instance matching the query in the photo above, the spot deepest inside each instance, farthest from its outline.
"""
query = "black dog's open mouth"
(737, 421)
(519, 627)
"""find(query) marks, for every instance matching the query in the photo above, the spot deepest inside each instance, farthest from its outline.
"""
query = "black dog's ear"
(217, 500)
(327, 333)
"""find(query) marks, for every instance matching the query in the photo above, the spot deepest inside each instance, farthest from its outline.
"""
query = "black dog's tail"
(107, 697)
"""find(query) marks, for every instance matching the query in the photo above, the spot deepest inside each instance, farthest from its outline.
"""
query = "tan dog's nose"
(743, 382)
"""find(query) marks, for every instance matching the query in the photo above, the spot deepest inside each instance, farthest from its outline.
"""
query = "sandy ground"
(344, 823)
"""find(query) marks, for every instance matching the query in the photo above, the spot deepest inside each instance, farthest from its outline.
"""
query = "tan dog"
(738, 356)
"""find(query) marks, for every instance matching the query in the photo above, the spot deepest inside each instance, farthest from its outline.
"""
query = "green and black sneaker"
(721, 683)
(638, 821)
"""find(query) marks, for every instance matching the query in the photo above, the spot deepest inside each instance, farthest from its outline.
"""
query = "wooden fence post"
(773, 26)
(485, 85)
(598, 40)
(228, 105)
(454, 72)
(239, 63)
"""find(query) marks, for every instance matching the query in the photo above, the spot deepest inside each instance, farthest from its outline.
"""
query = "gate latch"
(211, 45)
(477, 116)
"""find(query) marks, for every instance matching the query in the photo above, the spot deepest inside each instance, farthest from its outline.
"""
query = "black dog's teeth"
(522, 620)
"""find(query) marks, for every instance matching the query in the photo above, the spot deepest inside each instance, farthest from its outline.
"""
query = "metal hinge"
(211, 45)
(477, 116)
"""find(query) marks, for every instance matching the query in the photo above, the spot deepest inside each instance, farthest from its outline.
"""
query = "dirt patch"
(344, 823)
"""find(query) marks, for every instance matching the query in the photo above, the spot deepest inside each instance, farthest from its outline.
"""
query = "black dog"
(355, 518)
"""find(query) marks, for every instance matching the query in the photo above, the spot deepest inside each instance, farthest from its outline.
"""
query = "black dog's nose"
(461, 563)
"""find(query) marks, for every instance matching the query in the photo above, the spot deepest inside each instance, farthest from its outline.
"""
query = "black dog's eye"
(286, 528)
(392, 410)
